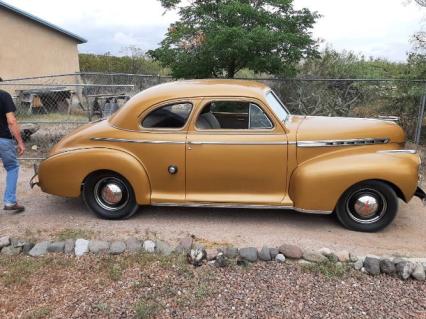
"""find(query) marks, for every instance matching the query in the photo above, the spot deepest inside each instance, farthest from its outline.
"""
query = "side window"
(237, 115)
(169, 116)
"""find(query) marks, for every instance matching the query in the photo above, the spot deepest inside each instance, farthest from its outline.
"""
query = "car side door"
(236, 153)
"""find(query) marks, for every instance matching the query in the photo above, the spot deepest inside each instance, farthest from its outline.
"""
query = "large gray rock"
(149, 246)
(314, 256)
(133, 245)
(184, 246)
(56, 247)
(325, 251)
(418, 273)
(291, 251)
(230, 252)
(196, 256)
(98, 246)
(358, 264)
(280, 258)
(387, 266)
(117, 247)
(372, 265)
(69, 246)
(248, 253)
(265, 254)
(163, 248)
(15, 242)
(27, 247)
(221, 260)
(81, 247)
(274, 252)
(39, 249)
(4, 241)
(11, 251)
(404, 269)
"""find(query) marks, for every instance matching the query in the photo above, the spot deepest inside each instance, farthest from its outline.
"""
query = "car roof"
(186, 89)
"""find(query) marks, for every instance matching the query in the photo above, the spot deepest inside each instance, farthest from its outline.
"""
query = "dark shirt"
(6, 106)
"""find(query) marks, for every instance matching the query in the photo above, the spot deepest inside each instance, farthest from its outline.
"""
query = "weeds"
(327, 268)
(39, 313)
(17, 270)
(70, 233)
(146, 309)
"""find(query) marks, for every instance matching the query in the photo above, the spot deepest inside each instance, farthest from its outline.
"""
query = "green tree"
(216, 38)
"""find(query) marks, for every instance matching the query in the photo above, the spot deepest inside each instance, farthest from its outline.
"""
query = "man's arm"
(14, 129)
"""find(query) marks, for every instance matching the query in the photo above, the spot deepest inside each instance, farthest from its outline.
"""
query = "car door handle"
(195, 143)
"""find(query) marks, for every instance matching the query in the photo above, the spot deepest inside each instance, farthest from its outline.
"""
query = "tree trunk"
(230, 72)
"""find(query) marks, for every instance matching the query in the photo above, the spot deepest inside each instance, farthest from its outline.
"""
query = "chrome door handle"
(195, 143)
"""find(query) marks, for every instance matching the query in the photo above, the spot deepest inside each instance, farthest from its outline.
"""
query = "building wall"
(28, 49)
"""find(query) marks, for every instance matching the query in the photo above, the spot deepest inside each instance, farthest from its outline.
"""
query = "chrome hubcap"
(366, 206)
(111, 194)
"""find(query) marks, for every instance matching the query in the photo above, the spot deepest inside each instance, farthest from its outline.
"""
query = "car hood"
(318, 128)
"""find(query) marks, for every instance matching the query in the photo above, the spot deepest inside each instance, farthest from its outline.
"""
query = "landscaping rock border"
(196, 255)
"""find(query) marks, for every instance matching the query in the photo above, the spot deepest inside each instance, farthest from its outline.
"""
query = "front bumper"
(421, 194)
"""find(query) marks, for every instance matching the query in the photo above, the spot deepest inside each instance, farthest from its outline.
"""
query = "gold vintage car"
(228, 143)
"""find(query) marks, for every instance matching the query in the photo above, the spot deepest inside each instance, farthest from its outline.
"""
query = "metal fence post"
(420, 120)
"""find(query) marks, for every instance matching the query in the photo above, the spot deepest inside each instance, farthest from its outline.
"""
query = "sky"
(377, 28)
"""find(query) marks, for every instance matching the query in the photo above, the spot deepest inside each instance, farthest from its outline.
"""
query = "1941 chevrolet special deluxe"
(228, 143)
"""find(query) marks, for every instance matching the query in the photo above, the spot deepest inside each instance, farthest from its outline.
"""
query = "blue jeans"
(11, 164)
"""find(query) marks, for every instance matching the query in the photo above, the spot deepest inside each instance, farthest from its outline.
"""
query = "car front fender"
(63, 174)
(318, 183)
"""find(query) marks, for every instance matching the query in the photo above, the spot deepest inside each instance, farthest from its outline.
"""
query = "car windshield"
(277, 106)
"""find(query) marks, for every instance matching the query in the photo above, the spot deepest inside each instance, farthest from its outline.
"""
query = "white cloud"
(381, 28)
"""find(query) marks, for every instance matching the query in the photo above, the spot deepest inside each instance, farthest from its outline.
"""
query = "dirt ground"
(47, 216)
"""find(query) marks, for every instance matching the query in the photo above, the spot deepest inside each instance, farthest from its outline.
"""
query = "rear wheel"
(367, 206)
(109, 195)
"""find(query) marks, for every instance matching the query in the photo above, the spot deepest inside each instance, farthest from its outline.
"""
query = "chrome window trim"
(347, 142)
(124, 140)
(398, 151)
(236, 205)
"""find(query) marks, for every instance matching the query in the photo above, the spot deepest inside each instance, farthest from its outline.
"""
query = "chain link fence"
(49, 107)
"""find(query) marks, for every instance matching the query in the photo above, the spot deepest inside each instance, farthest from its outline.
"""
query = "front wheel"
(367, 206)
(109, 195)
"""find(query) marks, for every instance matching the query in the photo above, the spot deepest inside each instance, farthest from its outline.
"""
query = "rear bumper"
(421, 194)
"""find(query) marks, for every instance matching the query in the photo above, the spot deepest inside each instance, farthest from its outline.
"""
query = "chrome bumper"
(421, 194)
(34, 179)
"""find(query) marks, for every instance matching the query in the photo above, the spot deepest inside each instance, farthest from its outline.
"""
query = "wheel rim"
(366, 206)
(111, 194)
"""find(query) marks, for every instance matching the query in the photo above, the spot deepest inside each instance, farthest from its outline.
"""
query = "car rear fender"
(318, 183)
(64, 173)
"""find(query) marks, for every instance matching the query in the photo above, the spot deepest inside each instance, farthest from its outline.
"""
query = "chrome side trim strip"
(123, 140)
(399, 151)
(235, 143)
(350, 142)
(244, 206)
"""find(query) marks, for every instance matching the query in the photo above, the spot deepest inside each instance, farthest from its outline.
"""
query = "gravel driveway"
(47, 215)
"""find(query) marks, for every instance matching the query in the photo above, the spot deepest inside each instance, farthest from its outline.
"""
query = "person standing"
(9, 129)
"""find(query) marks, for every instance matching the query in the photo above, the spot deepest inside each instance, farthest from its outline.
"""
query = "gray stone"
(397, 260)
(372, 265)
(117, 247)
(343, 256)
(325, 251)
(291, 251)
(248, 253)
(221, 260)
(133, 245)
(39, 249)
(304, 262)
(418, 273)
(17, 242)
(358, 264)
(81, 247)
(265, 254)
(387, 266)
(314, 256)
(274, 252)
(353, 258)
(11, 251)
(404, 269)
(98, 246)
(27, 247)
(211, 254)
(196, 256)
(163, 248)
(280, 258)
(230, 252)
(149, 246)
(56, 247)
(4, 241)
(184, 246)
(69, 246)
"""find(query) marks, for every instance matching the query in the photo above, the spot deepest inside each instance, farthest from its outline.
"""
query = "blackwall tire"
(367, 206)
(109, 196)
